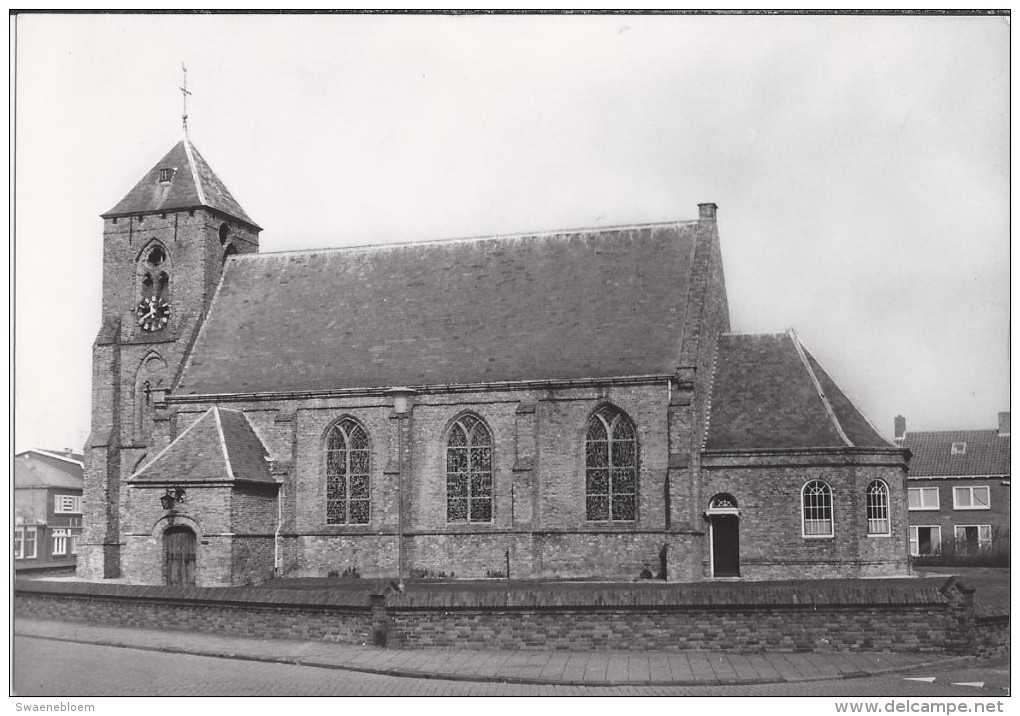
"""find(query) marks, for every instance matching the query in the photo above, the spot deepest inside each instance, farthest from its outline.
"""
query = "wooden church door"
(179, 555)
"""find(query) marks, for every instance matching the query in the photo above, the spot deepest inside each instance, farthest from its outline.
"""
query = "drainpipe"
(279, 528)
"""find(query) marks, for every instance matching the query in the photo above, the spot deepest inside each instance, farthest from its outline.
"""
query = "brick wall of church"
(768, 494)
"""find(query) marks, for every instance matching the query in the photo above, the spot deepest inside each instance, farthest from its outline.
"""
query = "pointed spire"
(180, 180)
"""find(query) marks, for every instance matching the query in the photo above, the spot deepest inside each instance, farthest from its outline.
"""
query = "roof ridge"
(173, 442)
(223, 442)
(58, 456)
(993, 431)
(853, 403)
(542, 234)
(818, 387)
(194, 172)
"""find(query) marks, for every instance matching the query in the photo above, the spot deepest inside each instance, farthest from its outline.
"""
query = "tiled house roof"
(768, 393)
(42, 469)
(573, 305)
(984, 452)
(219, 446)
(192, 184)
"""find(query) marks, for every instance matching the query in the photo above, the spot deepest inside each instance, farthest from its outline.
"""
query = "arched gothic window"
(347, 470)
(610, 450)
(469, 471)
(817, 509)
(154, 271)
(878, 508)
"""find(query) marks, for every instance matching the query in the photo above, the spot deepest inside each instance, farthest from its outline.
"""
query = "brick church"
(567, 404)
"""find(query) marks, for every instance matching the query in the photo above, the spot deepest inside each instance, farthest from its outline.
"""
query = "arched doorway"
(724, 535)
(179, 556)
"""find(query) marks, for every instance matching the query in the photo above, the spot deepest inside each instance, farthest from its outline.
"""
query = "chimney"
(900, 427)
(706, 212)
(1004, 423)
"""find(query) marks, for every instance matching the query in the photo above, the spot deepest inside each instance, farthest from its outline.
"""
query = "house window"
(878, 508)
(971, 498)
(166, 175)
(74, 543)
(925, 540)
(922, 498)
(347, 462)
(19, 543)
(958, 449)
(817, 504)
(59, 542)
(469, 471)
(29, 543)
(972, 538)
(67, 504)
(610, 450)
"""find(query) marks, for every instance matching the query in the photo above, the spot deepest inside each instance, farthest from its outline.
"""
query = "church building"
(566, 404)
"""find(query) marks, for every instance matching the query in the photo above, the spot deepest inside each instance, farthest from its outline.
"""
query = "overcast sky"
(860, 165)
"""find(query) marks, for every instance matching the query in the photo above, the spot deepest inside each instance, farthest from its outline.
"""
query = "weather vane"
(184, 96)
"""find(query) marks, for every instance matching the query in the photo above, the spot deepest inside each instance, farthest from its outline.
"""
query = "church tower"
(164, 247)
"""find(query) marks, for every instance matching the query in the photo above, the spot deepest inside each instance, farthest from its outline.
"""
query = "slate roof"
(42, 469)
(219, 446)
(573, 305)
(987, 453)
(193, 184)
(769, 392)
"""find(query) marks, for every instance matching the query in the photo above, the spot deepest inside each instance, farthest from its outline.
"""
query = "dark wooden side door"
(179, 551)
(725, 546)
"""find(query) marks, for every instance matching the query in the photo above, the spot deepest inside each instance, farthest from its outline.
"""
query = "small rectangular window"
(166, 175)
(972, 538)
(67, 504)
(922, 498)
(958, 449)
(59, 542)
(925, 540)
(971, 498)
(30, 535)
(19, 543)
(74, 543)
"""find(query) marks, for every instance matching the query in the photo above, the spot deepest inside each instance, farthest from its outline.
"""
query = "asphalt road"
(50, 668)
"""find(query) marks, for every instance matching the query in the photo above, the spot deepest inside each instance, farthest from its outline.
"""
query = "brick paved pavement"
(589, 668)
(53, 668)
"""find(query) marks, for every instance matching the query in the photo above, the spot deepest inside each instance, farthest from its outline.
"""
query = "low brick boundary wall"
(284, 614)
(922, 615)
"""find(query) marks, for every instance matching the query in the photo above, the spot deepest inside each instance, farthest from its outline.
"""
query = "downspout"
(279, 528)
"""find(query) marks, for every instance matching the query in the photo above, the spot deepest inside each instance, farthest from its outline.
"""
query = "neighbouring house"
(564, 404)
(958, 487)
(47, 509)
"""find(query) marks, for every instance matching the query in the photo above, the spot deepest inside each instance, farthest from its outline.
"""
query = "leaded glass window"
(347, 461)
(817, 508)
(469, 471)
(878, 508)
(610, 457)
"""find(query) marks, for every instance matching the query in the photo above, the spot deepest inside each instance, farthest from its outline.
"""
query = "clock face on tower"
(153, 313)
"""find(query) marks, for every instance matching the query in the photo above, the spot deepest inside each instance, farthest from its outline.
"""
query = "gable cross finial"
(184, 97)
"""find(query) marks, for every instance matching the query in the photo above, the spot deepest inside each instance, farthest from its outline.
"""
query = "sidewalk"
(588, 668)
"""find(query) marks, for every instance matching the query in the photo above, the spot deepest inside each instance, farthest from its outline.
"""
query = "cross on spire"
(184, 97)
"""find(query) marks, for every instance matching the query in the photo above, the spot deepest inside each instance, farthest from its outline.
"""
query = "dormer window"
(165, 175)
(958, 449)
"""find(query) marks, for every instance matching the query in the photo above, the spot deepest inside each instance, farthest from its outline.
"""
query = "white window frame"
(74, 543)
(59, 542)
(33, 531)
(970, 490)
(804, 518)
(921, 507)
(67, 504)
(915, 542)
(887, 532)
(983, 542)
(19, 543)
